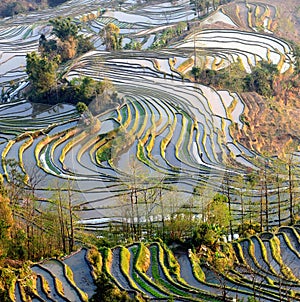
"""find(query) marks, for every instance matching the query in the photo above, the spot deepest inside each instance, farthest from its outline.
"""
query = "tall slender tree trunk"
(71, 237)
(138, 227)
(261, 208)
(278, 200)
(133, 228)
(266, 198)
(61, 222)
(229, 204)
(242, 205)
(291, 192)
(162, 213)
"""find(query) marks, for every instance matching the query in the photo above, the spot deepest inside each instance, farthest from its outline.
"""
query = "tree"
(207, 4)
(6, 223)
(278, 180)
(133, 45)
(42, 74)
(66, 217)
(198, 6)
(206, 234)
(15, 188)
(261, 79)
(217, 212)
(81, 107)
(64, 28)
(85, 89)
(264, 197)
(84, 44)
(240, 192)
(110, 35)
(48, 48)
(291, 170)
(227, 191)
(180, 27)
(68, 43)
(71, 218)
(196, 72)
(67, 49)
(97, 94)
(251, 180)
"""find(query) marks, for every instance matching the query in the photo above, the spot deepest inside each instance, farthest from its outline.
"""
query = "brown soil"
(288, 18)
(271, 125)
(285, 16)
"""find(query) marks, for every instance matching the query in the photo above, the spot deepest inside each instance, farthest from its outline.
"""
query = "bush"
(107, 292)
(84, 45)
(81, 107)
(248, 228)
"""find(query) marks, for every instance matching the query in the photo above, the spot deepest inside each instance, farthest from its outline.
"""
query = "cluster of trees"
(10, 8)
(168, 34)
(265, 191)
(42, 68)
(152, 207)
(111, 37)
(31, 229)
(201, 7)
(68, 43)
(47, 84)
(264, 79)
(246, 205)
(235, 78)
(133, 45)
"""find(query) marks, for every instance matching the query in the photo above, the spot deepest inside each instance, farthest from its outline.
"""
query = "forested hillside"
(11, 7)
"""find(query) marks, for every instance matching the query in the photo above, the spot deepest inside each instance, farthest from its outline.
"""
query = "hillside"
(265, 268)
(125, 122)
(9, 8)
(273, 122)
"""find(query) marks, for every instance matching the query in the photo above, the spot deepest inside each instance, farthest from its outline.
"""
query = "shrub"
(95, 259)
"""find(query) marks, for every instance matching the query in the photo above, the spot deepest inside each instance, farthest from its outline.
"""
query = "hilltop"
(9, 8)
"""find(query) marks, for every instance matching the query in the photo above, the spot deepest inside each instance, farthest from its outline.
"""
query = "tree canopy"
(42, 68)
(41, 73)
(110, 35)
(64, 28)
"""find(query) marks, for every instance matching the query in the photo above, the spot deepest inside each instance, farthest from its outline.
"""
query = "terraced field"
(168, 133)
(71, 279)
(168, 129)
(266, 267)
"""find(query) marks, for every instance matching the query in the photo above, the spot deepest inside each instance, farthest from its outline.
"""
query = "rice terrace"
(149, 150)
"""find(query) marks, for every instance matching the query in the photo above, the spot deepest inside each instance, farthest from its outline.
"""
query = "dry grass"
(272, 124)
